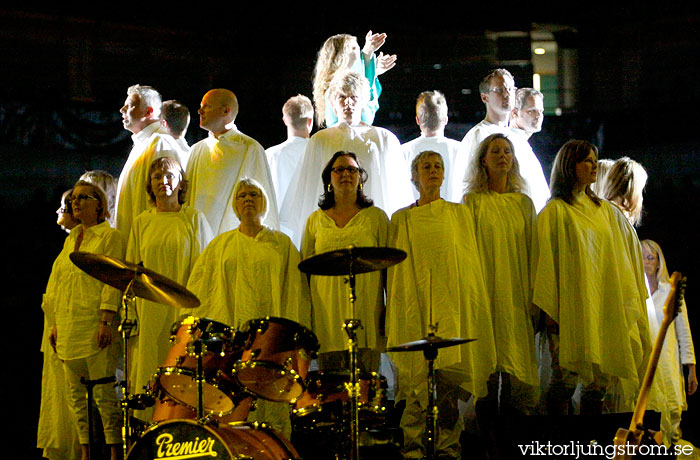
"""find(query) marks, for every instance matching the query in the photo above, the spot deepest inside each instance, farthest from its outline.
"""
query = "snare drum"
(275, 358)
(183, 439)
(178, 375)
(326, 397)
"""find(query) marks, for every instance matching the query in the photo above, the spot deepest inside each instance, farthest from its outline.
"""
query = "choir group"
(549, 278)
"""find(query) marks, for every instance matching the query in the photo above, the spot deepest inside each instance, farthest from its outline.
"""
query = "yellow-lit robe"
(168, 243)
(443, 270)
(330, 294)
(504, 224)
(589, 278)
(238, 278)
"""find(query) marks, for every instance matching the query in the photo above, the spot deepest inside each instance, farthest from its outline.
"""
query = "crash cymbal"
(432, 341)
(351, 260)
(147, 284)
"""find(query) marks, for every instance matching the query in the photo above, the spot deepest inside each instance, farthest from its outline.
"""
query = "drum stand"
(349, 262)
(89, 385)
(430, 353)
(125, 328)
(353, 388)
(198, 349)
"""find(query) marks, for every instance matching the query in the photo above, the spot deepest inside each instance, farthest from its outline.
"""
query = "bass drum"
(182, 439)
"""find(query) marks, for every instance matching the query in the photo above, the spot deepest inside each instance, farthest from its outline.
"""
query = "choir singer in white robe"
(218, 162)
(589, 280)
(346, 217)
(504, 219)
(250, 273)
(440, 284)
(376, 148)
(167, 238)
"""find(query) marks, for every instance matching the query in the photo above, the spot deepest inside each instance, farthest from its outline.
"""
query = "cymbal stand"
(351, 325)
(430, 353)
(125, 328)
(198, 349)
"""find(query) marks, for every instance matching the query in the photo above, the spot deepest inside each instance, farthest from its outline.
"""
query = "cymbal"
(147, 284)
(351, 260)
(432, 341)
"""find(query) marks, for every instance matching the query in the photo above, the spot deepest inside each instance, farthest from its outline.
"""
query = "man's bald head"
(219, 108)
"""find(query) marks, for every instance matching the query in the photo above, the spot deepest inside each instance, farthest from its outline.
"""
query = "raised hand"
(385, 62)
(372, 43)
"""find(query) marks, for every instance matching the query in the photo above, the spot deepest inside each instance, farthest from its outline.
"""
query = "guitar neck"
(670, 311)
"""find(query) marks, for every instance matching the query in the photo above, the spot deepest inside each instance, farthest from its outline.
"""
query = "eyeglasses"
(503, 89)
(75, 199)
(339, 170)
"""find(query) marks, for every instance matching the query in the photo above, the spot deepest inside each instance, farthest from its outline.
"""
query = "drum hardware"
(89, 385)
(275, 359)
(324, 404)
(133, 280)
(349, 262)
(430, 346)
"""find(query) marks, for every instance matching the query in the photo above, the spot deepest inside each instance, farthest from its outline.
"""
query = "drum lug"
(288, 363)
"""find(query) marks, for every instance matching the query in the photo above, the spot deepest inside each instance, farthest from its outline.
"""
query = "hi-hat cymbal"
(351, 260)
(147, 284)
(432, 341)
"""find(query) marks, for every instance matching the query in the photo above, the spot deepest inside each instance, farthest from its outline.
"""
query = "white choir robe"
(329, 294)
(283, 160)
(504, 231)
(448, 149)
(167, 243)
(184, 151)
(215, 166)
(238, 278)
(151, 143)
(530, 168)
(443, 271)
(589, 278)
(379, 152)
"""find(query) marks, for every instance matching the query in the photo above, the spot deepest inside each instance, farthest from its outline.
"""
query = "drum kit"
(207, 386)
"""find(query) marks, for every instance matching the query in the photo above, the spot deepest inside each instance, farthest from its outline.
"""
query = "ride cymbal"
(432, 341)
(147, 284)
(351, 260)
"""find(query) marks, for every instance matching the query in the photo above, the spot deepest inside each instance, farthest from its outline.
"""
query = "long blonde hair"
(332, 56)
(662, 271)
(477, 179)
(623, 185)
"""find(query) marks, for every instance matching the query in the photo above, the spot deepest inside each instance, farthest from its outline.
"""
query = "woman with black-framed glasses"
(346, 217)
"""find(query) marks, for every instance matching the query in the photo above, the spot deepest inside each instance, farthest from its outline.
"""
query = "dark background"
(64, 74)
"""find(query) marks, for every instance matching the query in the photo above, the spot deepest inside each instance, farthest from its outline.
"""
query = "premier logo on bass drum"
(167, 449)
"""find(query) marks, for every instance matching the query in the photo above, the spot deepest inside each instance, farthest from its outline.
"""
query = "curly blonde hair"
(332, 56)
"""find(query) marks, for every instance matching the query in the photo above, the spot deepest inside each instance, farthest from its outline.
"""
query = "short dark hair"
(177, 115)
(327, 199)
